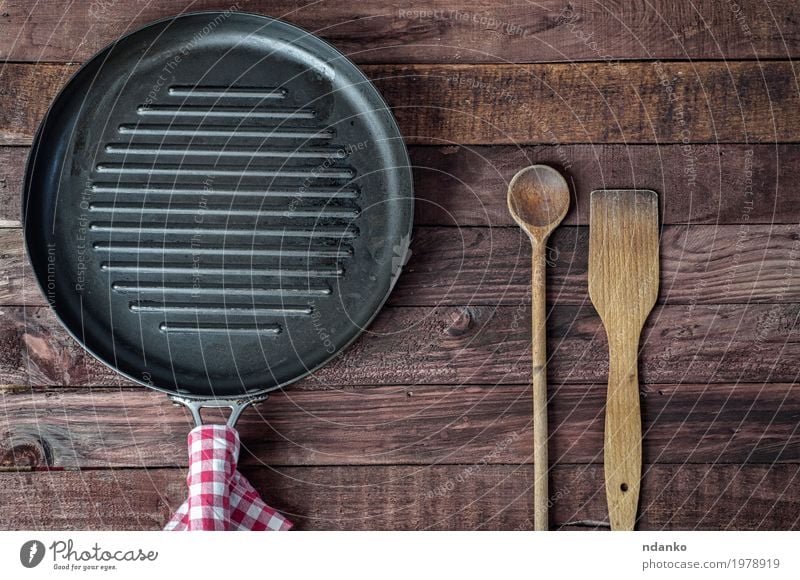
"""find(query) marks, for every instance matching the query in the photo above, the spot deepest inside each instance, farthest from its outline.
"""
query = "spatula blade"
(623, 252)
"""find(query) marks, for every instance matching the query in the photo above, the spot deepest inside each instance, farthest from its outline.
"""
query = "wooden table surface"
(426, 422)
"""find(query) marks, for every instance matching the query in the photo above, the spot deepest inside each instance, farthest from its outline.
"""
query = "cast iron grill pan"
(217, 204)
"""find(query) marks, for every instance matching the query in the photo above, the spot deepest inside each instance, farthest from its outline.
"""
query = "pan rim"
(342, 61)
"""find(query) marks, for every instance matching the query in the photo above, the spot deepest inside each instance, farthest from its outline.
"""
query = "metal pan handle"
(235, 405)
(217, 492)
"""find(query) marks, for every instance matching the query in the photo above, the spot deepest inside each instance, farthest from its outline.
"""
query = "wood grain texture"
(12, 171)
(421, 425)
(465, 186)
(436, 393)
(441, 30)
(462, 497)
(623, 286)
(483, 266)
(475, 345)
(589, 102)
(701, 184)
(699, 102)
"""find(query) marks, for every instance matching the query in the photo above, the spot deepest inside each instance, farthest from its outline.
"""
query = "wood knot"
(22, 455)
(463, 320)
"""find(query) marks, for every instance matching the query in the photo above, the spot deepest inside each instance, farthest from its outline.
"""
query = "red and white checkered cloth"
(221, 498)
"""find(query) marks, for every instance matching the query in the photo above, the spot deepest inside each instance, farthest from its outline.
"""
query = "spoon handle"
(539, 355)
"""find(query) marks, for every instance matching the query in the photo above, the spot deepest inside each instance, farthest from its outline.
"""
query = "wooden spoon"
(538, 199)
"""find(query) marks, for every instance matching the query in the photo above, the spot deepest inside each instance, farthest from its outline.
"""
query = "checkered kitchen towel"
(221, 498)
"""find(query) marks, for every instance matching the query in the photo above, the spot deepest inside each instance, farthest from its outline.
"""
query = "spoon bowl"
(538, 199)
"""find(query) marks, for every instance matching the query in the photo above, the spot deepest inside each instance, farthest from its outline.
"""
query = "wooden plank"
(17, 282)
(698, 102)
(704, 184)
(441, 30)
(422, 425)
(483, 266)
(459, 497)
(460, 185)
(699, 265)
(589, 102)
(476, 345)
(25, 95)
(12, 171)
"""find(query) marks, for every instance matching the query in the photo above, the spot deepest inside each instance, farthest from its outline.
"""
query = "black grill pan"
(217, 204)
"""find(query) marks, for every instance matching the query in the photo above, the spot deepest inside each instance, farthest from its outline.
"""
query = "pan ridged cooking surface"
(234, 258)
(222, 211)
(252, 243)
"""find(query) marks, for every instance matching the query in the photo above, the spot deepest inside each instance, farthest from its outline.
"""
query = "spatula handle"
(623, 432)
(539, 377)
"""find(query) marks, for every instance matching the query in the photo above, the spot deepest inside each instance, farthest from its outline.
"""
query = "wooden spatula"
(623, 285)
